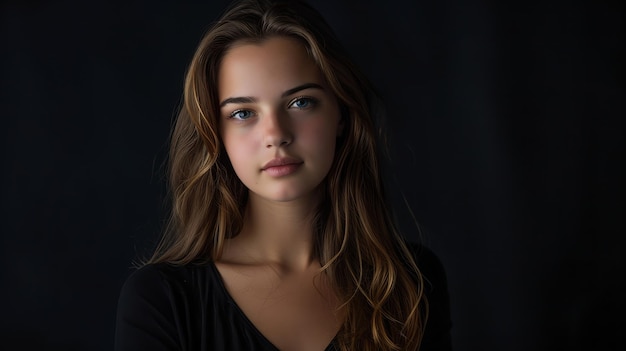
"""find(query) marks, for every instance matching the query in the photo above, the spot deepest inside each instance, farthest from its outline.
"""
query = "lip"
(282, 166)
(281, 161)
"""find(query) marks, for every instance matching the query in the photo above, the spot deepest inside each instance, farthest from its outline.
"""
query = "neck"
(278, 233)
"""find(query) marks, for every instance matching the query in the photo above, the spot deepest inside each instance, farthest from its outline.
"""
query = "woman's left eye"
(303, 103)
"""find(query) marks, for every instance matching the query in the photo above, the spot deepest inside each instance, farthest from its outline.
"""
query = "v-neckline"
(245, 318)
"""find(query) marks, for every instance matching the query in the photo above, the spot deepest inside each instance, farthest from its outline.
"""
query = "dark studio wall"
(506, 135)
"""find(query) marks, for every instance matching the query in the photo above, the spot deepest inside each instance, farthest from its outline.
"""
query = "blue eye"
(303, 103)
(241, 114)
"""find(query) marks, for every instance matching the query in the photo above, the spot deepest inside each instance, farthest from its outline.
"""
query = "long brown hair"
(361, 252)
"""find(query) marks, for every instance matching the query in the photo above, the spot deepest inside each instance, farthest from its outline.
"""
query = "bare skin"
(283, 304)
(269, 269)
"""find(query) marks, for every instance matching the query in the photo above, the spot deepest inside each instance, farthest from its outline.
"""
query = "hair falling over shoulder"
(361, 252)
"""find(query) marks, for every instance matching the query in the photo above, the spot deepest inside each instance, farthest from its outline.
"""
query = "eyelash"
(232, 115)
(312, 102)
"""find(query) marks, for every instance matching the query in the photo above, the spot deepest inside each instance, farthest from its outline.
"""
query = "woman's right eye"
(241, 114)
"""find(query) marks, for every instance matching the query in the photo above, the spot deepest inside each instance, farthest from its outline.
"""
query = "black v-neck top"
(164, 308)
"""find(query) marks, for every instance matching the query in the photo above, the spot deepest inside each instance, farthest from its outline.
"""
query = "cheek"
(320, 136)
(238, 150)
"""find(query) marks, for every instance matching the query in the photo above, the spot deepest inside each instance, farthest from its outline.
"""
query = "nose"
(276, 130)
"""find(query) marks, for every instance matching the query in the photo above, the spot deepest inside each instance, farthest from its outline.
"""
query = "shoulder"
(162, 284)
(152, 299)
(151, 281)
(154, 274)
(150, 287)
(439, 323)
(430, 267)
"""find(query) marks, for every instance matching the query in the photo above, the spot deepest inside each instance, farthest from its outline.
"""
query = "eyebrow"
(250, 99)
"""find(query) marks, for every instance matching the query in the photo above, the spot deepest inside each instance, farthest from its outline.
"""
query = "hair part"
(361, 252)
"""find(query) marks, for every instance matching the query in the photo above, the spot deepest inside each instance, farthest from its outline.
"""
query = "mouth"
(282, 166)
(281, 162)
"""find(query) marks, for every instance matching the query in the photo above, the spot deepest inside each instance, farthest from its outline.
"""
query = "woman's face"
(279, 121)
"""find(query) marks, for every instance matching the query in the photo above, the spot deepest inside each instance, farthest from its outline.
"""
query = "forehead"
(273, 65)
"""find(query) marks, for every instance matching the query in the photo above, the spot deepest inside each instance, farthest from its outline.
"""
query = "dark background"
(507, 137)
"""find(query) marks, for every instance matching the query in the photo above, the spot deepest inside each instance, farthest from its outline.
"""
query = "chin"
(290, 195)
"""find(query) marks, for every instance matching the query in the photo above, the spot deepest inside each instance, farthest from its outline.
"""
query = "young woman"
(280, 237)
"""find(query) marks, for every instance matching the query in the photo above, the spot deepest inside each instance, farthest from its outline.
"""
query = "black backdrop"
(507, 139)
